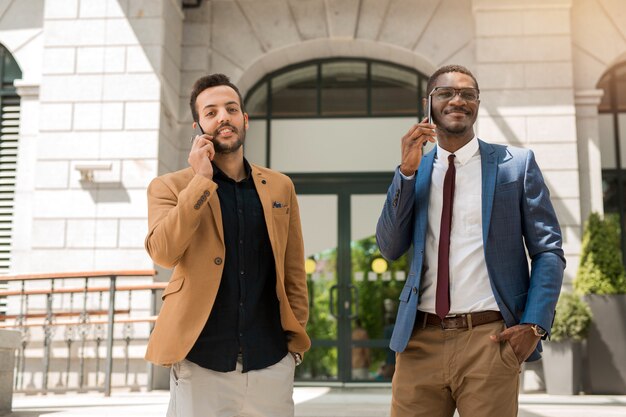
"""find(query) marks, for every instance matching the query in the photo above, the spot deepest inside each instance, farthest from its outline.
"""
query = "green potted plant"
(601, 279)
(562, 355)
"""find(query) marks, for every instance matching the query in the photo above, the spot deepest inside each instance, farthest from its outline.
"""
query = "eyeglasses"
(447, 93)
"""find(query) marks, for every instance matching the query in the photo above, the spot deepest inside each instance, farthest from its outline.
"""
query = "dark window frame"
(608, 83)
(266, 82)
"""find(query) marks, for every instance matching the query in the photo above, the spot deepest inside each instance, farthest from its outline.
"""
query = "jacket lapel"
(262, 188)
(489, 168)
(422, 192)
(216, 210)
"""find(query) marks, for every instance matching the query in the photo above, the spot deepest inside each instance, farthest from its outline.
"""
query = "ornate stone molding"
(27, 90)
(588, 97)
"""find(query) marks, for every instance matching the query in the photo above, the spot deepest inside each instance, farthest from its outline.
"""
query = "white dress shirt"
(470, 290)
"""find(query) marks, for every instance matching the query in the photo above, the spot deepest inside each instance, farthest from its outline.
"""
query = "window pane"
(256, 103)
(607, 141)
(295, 93)
(394, 90)
(620, 93)
(344, 88)
(609, 191)
(621, 123)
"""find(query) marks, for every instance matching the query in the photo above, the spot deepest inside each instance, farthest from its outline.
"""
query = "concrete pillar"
(589, 158)
(9, 341)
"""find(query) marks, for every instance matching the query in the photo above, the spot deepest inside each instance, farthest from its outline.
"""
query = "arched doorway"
(612, 122)
(334, 126)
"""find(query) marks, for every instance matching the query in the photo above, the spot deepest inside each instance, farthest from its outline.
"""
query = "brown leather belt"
(459, 321)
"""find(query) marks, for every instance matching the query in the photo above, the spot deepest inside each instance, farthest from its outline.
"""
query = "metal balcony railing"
(67, 319)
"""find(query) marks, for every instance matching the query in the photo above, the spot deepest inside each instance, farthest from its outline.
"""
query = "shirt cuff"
(405, 177)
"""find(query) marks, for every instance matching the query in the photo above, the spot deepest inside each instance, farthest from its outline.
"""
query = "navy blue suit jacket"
(518, 218)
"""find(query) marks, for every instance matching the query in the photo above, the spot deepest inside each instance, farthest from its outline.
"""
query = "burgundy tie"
(442, 302)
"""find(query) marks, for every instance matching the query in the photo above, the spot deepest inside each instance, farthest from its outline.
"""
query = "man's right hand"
(201, 154)
(413, 146)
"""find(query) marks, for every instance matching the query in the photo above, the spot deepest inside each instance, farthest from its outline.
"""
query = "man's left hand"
(521, 338)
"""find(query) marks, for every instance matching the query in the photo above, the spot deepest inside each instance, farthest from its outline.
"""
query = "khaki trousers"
(443, 370)
(199, 392)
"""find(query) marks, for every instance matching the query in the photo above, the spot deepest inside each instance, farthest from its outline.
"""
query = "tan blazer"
(185, 233)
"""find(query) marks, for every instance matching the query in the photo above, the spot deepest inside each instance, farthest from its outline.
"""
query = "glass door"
(375, 284)
(353, 291)
(320, 229)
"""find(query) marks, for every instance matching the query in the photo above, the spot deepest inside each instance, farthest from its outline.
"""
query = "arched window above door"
(339, 87)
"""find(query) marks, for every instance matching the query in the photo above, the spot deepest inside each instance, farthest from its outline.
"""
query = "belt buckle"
(443, 327)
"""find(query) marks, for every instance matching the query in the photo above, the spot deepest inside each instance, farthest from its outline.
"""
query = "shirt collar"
(220, 174)
(463, 155)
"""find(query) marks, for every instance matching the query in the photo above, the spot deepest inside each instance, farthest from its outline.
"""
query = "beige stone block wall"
(524, 54)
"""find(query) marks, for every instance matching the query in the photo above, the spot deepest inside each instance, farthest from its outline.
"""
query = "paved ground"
(310, 402)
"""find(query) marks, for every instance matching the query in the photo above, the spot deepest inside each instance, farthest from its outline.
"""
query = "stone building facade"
(105, 83)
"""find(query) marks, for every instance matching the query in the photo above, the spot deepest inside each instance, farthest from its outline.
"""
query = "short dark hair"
(446, 69)
(208, 81)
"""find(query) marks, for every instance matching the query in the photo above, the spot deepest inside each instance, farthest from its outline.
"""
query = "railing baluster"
(153, 308)
(127, 335)
(82, 331)
(20, 325)
(70, 335)
(48, 333)
(109, 360)
(98, 334)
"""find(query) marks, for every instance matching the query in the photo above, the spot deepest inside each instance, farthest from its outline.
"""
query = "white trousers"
(199, 392)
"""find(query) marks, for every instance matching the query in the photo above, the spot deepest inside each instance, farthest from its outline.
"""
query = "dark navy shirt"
(245, 317)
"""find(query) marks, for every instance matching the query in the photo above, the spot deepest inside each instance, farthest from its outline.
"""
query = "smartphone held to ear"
(429, 111)
(197, 132)
(428, 146)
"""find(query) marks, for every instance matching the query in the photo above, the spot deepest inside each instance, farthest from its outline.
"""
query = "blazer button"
(197, 206)
(263, 182)
(207, 193)
(218, 261)
(414, 290)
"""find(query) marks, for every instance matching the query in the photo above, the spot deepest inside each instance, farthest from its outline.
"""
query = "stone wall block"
(56, 117)
(102, 8)
(48, 233)
(142, 115)
(133, 233)
(60, 9)
(98, 116)
(67, 89)
(52, 175)
(59, 61)
(75, 32)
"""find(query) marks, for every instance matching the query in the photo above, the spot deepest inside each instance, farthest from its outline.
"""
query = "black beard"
(455, 130)
(224, 148)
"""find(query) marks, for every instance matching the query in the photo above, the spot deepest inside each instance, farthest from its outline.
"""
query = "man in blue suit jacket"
(472, 309)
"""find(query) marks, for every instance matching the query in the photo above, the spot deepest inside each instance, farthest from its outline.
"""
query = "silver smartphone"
(429, 109)
(428, 146)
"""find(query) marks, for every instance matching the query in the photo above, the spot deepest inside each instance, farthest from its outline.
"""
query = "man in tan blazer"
(232, 324)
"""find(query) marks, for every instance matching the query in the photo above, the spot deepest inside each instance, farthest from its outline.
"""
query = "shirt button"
(240, 334)
(242, 272)
(218, 261)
